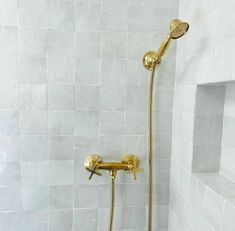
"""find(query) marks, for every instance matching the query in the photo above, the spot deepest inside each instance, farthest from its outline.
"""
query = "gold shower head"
(178, 28)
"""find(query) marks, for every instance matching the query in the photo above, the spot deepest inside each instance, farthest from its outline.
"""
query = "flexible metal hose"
(150, 148)
(112, 202)
(150, 161)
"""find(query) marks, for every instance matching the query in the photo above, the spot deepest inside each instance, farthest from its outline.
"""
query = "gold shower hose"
(150, 161)
(150, 147)
(112, 198)
(113, 173)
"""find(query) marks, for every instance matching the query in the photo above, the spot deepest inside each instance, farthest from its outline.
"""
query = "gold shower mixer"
(129, 163)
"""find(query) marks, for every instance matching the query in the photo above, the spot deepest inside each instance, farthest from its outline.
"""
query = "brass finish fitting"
(152, 59)
(129, 163)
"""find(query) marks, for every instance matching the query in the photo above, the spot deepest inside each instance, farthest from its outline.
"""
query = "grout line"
(21, 158)
(74, 100)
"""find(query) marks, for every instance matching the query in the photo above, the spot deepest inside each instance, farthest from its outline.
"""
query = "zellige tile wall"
(72, 83)
(203, 120)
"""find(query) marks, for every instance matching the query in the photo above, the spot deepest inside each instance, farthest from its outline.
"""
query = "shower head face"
(178, 28)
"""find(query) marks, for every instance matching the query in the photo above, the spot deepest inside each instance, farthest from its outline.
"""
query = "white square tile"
(9, 96)
(228, 217)
(61, 69)
(10, 174)
(85, 221)
(28, 126)
(11, 199)
(84, 196)
(213, 208)
(208, 130)
(136, 123)
(136, 47)
(87, 71)
(114, 45)
(60, 122)
(86, 124)
(87, 98)
(135, 18)
(206, 158)
(35, 173)
(9, 122)
(87, 16)
(34, 148)
(87, 44)
(57, 199)
(226, 162)
(27, 219)
(8, 69)
(60, 15)
(8, 12)
(32, 13)
(114, 17)
(33, 96)
(136, 144)
(210, 100)
(60, 96)
(32, 41)
(35, 197)
(60, 43)
(112, 98)
(60, 147)
(61, 220)
(136, 73)
(229, 104)
(113, 72)
(9, 148)
(112, 123)
(32, 69)
(228, 132)
(61, 172)
(136, 98)
(164, 99)
(112, 147)
(84, 145)
(8, 40)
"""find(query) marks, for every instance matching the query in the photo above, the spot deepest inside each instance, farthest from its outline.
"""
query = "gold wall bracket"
(129, 163)
(151, 60)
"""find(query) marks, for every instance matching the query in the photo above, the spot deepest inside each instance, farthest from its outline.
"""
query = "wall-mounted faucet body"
(129, 163)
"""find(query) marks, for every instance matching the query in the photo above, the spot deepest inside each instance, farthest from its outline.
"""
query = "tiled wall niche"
(202, 187)
(214, 137)
(208, 127)
(214, 130)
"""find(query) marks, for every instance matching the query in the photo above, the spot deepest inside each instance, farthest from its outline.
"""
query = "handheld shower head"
(178, 28)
